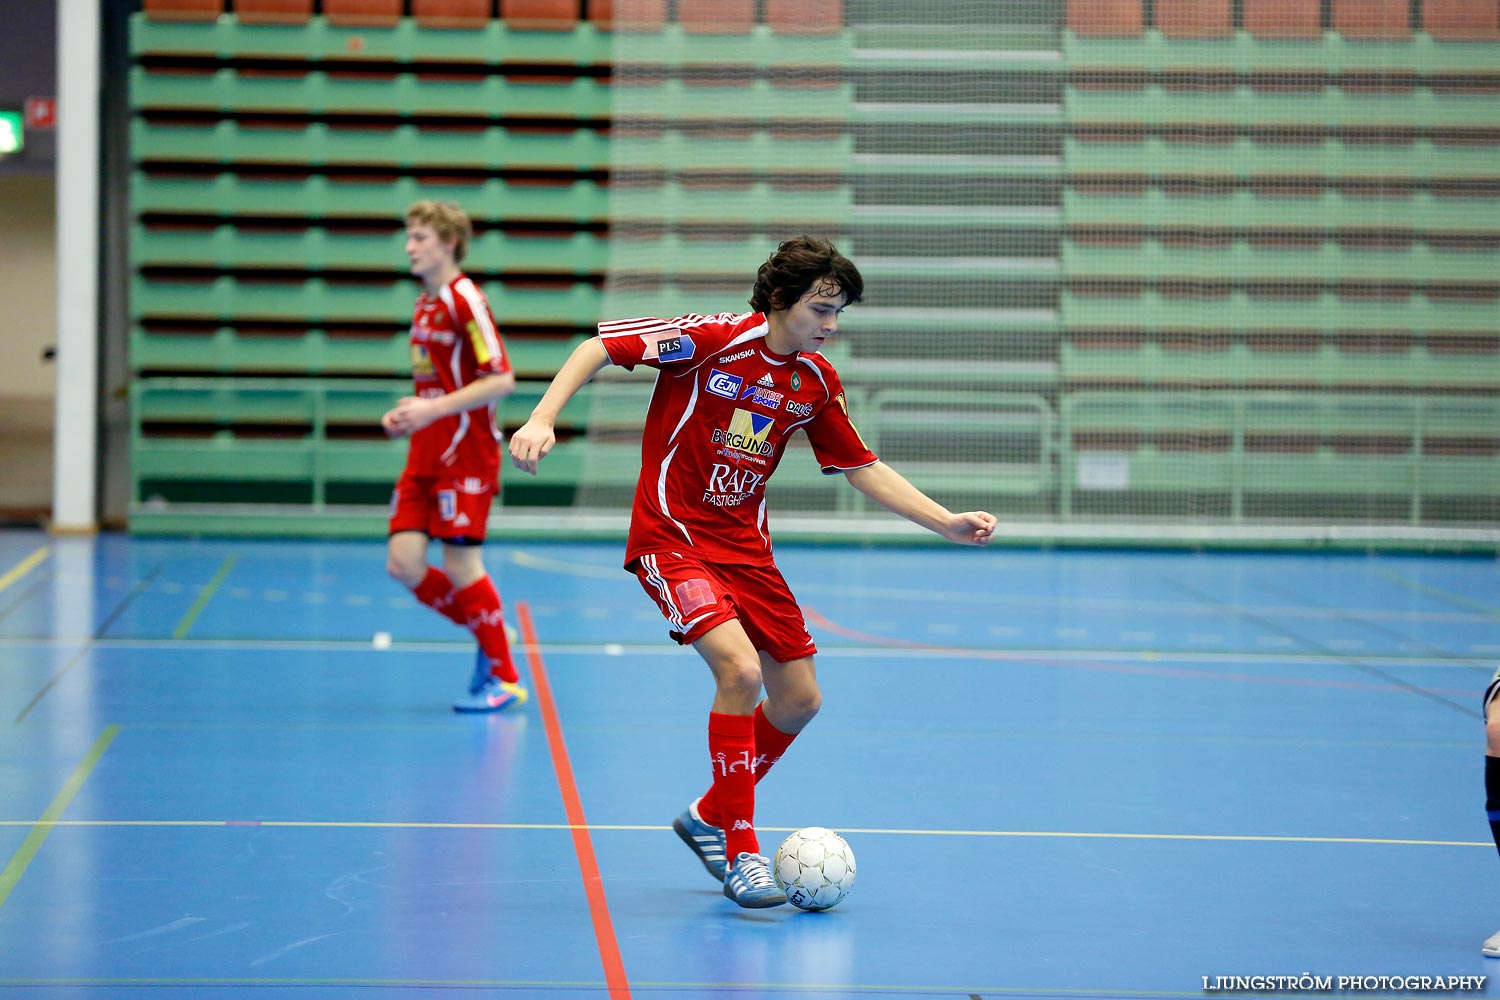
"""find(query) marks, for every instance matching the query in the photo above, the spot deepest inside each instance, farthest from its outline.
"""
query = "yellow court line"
(829, 988)
(700, 985)
(651, 828)
(42, 827)
(203, 598)
(25, 566)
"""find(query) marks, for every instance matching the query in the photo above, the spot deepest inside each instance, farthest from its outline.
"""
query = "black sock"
(1492, 795)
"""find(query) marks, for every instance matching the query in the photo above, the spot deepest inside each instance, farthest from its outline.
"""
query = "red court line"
(583, 845)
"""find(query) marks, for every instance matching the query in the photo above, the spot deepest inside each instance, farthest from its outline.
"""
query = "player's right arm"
(530, 444)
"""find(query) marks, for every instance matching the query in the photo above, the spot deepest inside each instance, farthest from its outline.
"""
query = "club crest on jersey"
(723, 384)
(421, 363)
(747, 432)
(796, 381)
(763, 397)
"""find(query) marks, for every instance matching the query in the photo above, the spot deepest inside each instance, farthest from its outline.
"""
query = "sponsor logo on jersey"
(723, 384)
(735, 357)
(729, 486)
(767, 381)
(798, 409)
(675, 348)
(447, 504)
(763, 397)
(747, 432)
(421, 363)
(423, 331)
(472, 485)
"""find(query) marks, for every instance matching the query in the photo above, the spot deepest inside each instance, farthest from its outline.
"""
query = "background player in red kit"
(731, 389)
(460, 369)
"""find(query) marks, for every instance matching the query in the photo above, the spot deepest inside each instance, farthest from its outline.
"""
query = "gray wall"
(28, 68)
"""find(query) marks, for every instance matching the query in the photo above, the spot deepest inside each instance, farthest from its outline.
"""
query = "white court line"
(654, 828)
(834, 652)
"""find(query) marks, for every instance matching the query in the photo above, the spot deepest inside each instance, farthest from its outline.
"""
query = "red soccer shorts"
(695, 598)
(442, 507)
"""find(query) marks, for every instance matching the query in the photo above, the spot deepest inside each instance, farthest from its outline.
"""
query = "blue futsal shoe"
(481, 675)
(704, 840)
(749, 882)
(492, 696)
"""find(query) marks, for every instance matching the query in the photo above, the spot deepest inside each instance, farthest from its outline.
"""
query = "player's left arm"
(412, 413)
(896, 494)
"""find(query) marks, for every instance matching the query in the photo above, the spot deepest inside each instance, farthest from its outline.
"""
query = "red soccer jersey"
(454, 341)
(720, 416)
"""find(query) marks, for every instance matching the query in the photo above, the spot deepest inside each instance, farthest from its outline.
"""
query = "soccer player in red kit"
(730, 390)
(460, 370)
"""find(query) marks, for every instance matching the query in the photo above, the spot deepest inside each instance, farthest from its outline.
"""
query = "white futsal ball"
(815, 868)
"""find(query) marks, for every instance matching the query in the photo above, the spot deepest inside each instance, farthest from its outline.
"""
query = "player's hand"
(975, 527)
(410, 414)
(530, 444)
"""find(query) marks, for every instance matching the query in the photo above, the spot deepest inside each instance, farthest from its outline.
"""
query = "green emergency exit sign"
(12, 138)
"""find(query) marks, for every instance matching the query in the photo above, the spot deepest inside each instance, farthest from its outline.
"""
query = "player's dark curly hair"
(797, 265)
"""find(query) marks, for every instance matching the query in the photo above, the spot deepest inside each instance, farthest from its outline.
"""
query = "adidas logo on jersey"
(766, 380)
(742, 824)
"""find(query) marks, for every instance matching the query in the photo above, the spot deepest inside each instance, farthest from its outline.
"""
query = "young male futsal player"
(460, 369)
(1492, 781)
(730, 391)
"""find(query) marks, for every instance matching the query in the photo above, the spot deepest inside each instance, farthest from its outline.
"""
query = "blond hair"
(447, 220)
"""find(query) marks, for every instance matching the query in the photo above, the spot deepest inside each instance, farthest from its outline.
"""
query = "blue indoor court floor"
(1065, 773)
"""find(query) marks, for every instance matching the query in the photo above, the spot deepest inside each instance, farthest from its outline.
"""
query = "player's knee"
(740, 677)
(404, 571)
(795, 709)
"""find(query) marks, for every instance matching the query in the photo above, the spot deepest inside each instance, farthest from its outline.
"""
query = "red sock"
(436, 591)
(770, 744)
(731, 748)
(480, 605)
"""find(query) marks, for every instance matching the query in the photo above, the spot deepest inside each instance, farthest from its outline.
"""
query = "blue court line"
(1377, 626)
(141, 585)
(1353, 661)
(41, 828)
(1473, 612)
